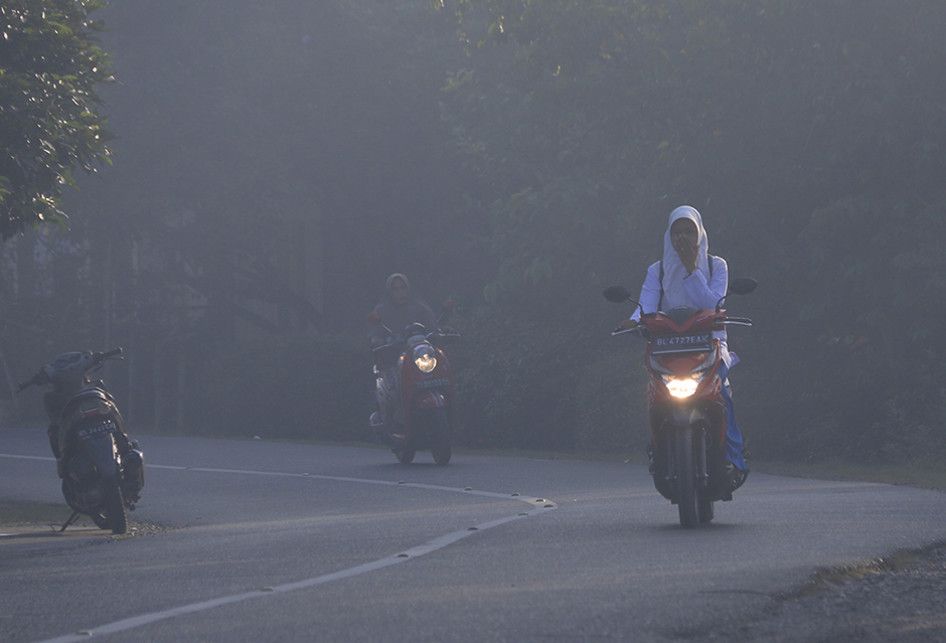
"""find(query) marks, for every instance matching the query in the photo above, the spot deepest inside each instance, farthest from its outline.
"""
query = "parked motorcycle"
(414, 392)
(102, 473)
(686, 406)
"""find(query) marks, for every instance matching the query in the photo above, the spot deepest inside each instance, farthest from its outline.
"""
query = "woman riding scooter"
(689, 277)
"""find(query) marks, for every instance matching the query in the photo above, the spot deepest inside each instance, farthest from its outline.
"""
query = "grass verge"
(923, 475)
(898, 561)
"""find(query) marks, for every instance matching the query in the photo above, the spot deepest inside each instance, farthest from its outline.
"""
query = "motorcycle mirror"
(445, 339)
(617, 294)
(447, 308)
(742, 286)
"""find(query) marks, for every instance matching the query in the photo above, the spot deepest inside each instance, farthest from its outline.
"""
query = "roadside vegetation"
(50, 121)
(272, 167)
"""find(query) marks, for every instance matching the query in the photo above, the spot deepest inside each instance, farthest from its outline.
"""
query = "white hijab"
(674, 272)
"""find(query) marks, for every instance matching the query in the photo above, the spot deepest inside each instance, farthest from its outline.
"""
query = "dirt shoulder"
(22, 520)
(901, 597)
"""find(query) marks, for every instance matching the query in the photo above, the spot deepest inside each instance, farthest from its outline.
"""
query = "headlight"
(682, 387)
(425, 362)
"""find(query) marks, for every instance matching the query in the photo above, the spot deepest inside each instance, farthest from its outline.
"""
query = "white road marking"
(26, 457)
(536, 506)
(386, 483)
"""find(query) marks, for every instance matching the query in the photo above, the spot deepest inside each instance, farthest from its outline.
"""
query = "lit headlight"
(682, 387)
(425, 362)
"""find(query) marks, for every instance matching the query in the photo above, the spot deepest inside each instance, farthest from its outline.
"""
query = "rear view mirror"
(446, 310)
(742, 286)
(445, 338)
(617, 294)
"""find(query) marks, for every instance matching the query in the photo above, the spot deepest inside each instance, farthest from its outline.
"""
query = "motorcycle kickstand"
(75, 516)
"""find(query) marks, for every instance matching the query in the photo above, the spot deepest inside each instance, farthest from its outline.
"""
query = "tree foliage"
(809, 134)
(308, 149)
(274, 164)
(50, 125)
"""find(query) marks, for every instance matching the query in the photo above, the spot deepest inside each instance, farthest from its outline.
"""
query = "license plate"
(92, 431)
(682, 343)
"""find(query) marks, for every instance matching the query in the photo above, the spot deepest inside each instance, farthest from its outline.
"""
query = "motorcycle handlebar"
(640, 330)
(36, 379)
(115, 352)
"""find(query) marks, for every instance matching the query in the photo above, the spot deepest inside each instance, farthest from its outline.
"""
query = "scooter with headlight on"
(415, 393)
(686, 405)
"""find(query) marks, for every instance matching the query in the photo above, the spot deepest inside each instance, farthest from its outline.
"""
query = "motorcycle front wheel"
(405, 456)
(441, 439)
(686, 490)
(705, 509)
(442, 453)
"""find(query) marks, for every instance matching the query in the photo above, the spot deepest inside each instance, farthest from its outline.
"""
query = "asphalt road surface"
(266, 541)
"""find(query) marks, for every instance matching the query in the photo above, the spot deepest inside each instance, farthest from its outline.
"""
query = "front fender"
(684, 416)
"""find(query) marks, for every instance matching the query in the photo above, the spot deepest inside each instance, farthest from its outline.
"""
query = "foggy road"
(261, 540)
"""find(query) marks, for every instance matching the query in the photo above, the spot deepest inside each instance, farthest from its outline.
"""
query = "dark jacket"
(397, 318)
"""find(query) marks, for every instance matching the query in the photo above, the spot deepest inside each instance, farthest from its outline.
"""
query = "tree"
(810, 136)
(50, 64)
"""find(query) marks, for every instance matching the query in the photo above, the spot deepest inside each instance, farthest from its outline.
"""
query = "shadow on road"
(397, 467)
(713, 527)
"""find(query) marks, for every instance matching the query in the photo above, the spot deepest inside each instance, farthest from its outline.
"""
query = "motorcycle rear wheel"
(405, 456)
(685, 483)
(101, 520)
(115, 509)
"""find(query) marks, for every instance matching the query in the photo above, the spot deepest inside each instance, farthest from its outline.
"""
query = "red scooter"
(414, 391)
(686, 405)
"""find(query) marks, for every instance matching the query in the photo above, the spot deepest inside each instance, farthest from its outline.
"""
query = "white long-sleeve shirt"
(702, 290)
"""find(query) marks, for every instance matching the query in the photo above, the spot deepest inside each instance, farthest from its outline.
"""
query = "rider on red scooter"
(398, 308)
(689, 277)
